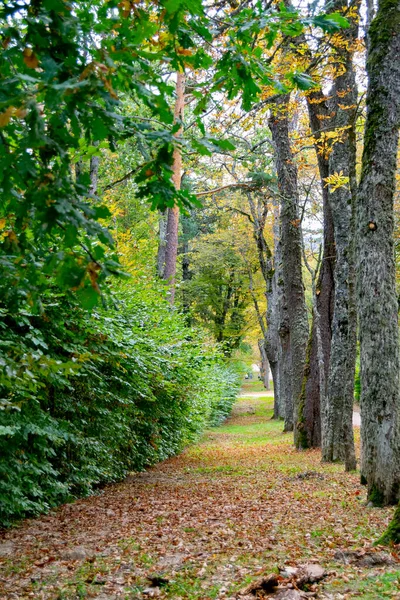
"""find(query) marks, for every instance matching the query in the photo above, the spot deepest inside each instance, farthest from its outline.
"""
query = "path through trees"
(203, 524)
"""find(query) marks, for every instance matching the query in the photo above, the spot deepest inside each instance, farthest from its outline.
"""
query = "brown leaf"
(30, 59)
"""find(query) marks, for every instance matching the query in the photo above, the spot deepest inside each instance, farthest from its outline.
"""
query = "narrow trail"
(356, 413)
(232, 507)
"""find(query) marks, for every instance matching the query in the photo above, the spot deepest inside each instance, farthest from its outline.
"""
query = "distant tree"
(218, 290)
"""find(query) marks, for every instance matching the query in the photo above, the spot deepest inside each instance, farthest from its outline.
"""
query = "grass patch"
(254, 385)
(371, 587)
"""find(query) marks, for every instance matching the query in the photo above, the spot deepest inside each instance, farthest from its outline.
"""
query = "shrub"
(86, 398)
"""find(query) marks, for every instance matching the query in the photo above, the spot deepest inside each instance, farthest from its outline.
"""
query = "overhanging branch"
(224, 187)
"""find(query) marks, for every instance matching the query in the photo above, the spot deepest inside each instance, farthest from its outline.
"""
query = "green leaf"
(223, 144)
(101, 212)
(331, 22)
(88, 297)
(8, 430)
(302, 81)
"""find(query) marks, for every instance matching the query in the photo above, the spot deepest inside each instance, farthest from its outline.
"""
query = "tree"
(172, 226)
(219, 290)
(270, 345)
(313, 398)
(296, 324)
(337, 416)
(376, 286)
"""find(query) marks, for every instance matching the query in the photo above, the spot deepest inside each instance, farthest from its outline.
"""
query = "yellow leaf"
(30, 59)
(336, 181)
(6, 116)
(21, 113)
(185, 51)
(2, 223)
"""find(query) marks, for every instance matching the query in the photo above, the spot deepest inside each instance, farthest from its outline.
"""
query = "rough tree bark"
(317, 333)
(171, 249)
(186, 272)
(376, 291)
(264, 371)
(337, 424)
(312, 396)
(295, 327)
(162, 242)
(258, 212)
(94, 174)
(284, 358)
(276, 311)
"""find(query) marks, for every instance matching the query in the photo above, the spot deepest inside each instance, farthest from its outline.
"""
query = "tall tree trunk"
(304, 441)
(94, 173)
(274, 313)
(264, 371)
(376, 291)
(295, 338)
(337, 420)
(313, 398)
(259, 212)
(186, 273)
(171, 250)
(162, 242)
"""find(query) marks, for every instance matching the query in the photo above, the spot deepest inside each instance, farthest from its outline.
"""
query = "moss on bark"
(376, 496)
(302, 439)
(392, 533)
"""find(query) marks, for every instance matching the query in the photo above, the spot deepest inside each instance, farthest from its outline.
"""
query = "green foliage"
(87, 399)
(60, 93)
(218, 291)
(65, 70)
(331, 22)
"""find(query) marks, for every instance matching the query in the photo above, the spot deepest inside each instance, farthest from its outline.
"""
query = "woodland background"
(184, 185)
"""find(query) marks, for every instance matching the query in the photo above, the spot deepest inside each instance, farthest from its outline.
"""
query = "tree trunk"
(259, 212)
(295, 338)
(264, 372)
(312, 395)
(304, 440)
(376, 291)
(94, 174)
(162, 242)
(171, 250)
(337, 420)
(285, 375)
(187, 235)
(275, 302)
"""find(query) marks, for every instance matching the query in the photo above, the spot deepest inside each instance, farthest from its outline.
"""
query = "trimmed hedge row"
(87, 398)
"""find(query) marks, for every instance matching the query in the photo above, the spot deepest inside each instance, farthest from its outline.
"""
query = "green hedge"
(85, 399)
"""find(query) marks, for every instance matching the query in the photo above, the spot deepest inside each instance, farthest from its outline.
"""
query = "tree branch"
(224, 187)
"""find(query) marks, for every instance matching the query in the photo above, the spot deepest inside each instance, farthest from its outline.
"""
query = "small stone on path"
(78, 553)
(7, 548)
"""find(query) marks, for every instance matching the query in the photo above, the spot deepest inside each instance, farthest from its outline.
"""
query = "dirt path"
(236, 505)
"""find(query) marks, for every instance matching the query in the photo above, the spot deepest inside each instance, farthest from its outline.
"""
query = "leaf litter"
(228, 518)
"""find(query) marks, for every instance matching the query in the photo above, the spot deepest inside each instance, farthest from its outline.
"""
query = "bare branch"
(224, 187)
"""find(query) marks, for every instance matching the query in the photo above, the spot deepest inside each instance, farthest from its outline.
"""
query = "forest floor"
(236, 506)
